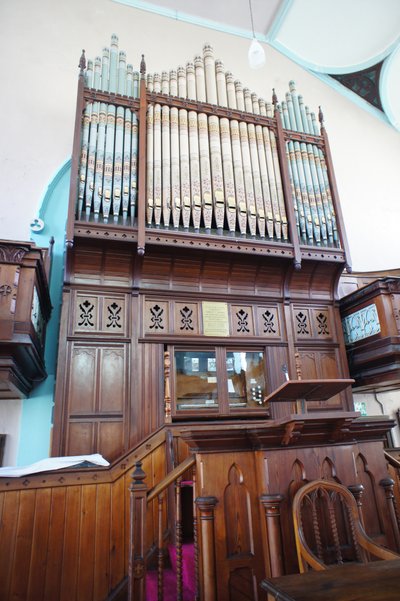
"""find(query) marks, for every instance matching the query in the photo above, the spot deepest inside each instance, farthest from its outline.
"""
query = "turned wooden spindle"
(167, 387)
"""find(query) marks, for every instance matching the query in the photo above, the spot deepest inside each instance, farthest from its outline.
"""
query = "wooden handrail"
(394, 462)
(171, 477)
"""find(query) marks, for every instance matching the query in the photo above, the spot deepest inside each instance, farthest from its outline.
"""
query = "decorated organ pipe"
(109, 139)
(211, 155)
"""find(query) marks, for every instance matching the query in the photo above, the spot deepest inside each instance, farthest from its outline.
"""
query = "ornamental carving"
(5, 289)
(242, 322)
(186, 319)
(157, 318)
(361, 324)
(269, 325)
(12, 254)
(86, 316)
(322, 324)
(302, 327)
(114, 316)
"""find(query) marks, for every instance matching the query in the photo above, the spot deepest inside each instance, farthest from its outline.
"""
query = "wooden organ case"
(202, 218)
(205, 241)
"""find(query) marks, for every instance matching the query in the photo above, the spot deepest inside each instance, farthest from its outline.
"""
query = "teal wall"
(37, 409)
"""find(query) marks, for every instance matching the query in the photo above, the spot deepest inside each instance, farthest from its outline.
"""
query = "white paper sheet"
(52, 463)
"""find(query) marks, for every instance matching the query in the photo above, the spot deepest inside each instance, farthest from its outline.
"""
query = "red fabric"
(169, 577)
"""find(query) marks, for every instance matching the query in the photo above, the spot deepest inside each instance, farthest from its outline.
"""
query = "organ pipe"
(206, 172)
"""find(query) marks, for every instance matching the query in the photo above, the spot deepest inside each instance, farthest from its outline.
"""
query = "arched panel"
(238, 521)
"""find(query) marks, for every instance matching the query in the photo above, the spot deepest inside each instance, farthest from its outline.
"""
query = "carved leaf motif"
(157, 318)
(186, 319)
(322, 321)
(114, 317)
(302, 323)
(243, 321)
(269, 322)
(86, 315)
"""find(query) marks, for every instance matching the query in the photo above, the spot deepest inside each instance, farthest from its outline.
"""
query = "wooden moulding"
(334, 427)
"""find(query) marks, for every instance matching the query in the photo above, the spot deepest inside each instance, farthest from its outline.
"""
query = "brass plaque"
(215, 319)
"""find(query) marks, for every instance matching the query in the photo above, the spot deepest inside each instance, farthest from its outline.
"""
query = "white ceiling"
(324, 36)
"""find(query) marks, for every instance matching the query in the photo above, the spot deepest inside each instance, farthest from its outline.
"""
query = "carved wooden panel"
(97, 399)
(312, 322)
(156, 317)
(268, 322)
(321, 324)
(164, 317)
(302, 323)
(9, 277)
(242, 320)
(100, 314)
(231, 478)
(186, 318)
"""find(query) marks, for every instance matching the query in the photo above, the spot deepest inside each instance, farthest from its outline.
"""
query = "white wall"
(40, 45)
(10, 417)
(382, 403)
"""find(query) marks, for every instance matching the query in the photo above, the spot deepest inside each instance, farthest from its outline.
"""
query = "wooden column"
(387, 485)
(206, 506)
(287, 190)
(137, 534)
(271, 505)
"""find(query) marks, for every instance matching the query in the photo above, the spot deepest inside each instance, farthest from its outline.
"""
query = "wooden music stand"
(298, 392)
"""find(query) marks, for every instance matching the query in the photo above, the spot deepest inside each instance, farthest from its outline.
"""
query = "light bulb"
(256, 55)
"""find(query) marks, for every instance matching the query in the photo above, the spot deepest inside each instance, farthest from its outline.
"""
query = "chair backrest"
(328, 529)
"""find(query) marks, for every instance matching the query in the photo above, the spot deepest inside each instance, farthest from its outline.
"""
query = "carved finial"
(142, 67)
(138, 475)
(321, 117)
(82, 63)
(274, 97)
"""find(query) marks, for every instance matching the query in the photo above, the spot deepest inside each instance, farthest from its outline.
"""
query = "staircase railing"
(140, 500)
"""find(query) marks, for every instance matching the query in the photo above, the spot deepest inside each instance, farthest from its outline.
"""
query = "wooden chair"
(328, 528)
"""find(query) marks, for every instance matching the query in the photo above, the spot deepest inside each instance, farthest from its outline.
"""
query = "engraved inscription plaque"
(215, 319)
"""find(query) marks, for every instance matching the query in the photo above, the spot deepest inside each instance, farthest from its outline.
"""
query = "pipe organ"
(200, 315)
(218, 159)
(205, 232)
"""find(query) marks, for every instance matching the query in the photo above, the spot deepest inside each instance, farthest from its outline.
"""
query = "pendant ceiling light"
(256, 54)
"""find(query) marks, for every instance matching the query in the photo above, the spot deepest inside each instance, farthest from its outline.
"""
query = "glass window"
(196, 380)
(246, 381)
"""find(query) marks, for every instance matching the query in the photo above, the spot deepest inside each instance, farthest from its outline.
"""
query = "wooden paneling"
(321, 363)
(231, 478)
(64, 535)
(97, 399)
